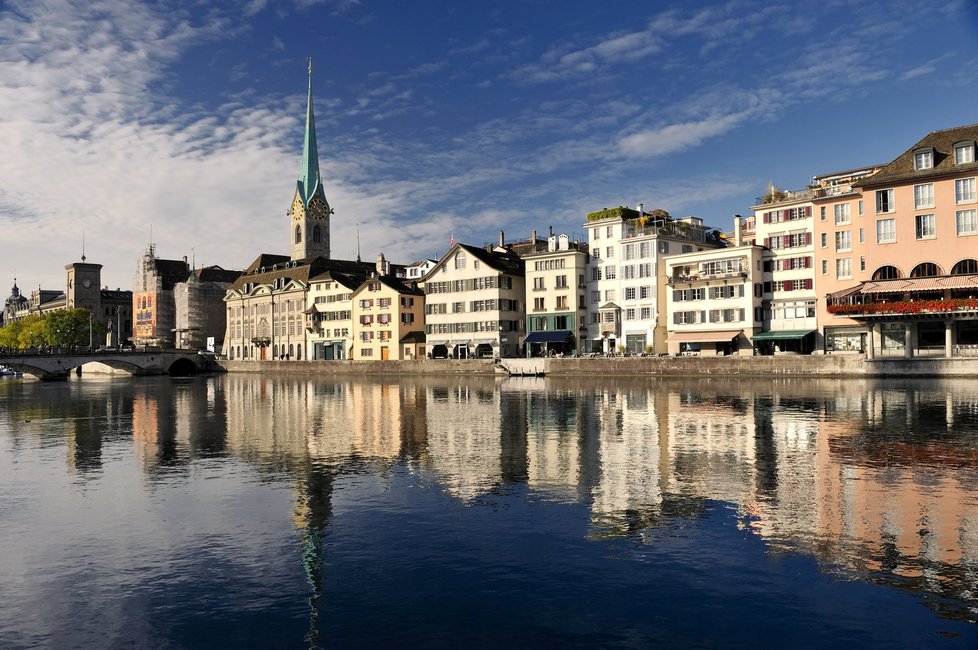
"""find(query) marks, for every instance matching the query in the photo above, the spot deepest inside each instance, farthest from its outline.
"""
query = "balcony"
(739, 272)
(784, 196)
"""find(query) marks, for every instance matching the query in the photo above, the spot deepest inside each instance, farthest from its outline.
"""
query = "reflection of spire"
(313, 510)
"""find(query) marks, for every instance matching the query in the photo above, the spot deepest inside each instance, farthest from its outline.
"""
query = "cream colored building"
(556, 300)
(329, 315)
(385, 311)
(474, 303)
(713, 301)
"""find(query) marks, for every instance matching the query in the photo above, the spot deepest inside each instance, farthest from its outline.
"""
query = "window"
(595, 273)
(859, 209)
(538, 304)
(538, 284)
(630, 293)
(925, 270)
(884, 201)
(460, 260)
(862, 236)
(597, 233)
(298, 234)
(842, 214)
(609, 232)
(595, 297)
(610, 272)
(966, 223)
(926, 226)
(609, 295)
(630, 314)
(561, 282)
(316, 236)
(609, 251)
(825, 267)
(862, 263)
(923, 196)
(964, 190)
(885, 231)
(562, 302)
(596, 253)
(843, 241)
(923, 159)
(821, 213)
(646, 313)
(843, 268)
(825, 240)
(964, 153)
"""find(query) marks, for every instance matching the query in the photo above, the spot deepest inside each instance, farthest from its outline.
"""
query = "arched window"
(925, 270)
(886, 273)
(298, 353)
(298, 234)
(965, 267)
(291, 350)
(316, 237)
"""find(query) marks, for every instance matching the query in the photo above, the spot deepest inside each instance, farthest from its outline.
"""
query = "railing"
(782, 196)
(668, 229)
(697, 277)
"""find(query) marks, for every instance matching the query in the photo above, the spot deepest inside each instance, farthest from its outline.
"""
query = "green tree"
(10, 334)
(32, 332)
(69, 327)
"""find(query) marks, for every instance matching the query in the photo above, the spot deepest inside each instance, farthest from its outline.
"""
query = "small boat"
(8, 371)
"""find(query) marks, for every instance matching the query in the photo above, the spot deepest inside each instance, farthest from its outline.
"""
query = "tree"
(69, 327)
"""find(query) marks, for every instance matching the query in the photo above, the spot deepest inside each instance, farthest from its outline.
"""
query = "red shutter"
(767, 242)
(808, 238)
(767, 217)
(808, 283)
(808, 210)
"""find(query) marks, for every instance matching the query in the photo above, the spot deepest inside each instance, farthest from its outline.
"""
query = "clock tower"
(310, 211)
(83, 286)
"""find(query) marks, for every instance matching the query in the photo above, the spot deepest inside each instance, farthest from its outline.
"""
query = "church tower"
(309, 215)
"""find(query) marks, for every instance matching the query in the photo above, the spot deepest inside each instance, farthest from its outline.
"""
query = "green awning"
(781, 335)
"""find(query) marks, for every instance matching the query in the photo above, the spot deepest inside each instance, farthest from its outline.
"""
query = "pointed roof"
(309, 179)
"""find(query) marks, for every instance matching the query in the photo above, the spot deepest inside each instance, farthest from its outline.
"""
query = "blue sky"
(440, 118)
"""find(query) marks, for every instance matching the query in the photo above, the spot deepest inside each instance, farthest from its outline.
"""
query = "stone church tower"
(310, 210)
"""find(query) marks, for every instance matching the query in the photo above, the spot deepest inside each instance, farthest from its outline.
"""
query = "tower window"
(298, 234)
(316, 237)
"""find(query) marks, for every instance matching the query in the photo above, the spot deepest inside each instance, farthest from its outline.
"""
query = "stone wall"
(837, 365)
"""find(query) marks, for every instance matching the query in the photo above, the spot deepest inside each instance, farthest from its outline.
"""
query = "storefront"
(715, 343)
(785, 341)
(546, 344)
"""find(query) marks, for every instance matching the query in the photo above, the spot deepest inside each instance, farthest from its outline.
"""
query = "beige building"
(329, 315)
(474, 303)
(556, 300)
(385, 311)
(714, 300)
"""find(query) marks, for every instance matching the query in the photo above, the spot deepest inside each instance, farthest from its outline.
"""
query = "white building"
(624, 301)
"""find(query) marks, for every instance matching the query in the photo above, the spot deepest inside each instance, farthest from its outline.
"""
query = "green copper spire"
(309, 172)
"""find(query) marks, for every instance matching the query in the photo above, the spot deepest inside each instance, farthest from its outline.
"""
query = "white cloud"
(675, 137)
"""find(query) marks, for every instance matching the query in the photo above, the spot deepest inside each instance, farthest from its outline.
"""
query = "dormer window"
(964, 152)
(923, 158)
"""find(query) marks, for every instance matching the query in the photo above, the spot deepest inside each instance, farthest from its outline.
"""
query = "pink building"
(919, 295)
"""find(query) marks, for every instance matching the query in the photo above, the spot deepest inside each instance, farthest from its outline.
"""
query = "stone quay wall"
(840, 365)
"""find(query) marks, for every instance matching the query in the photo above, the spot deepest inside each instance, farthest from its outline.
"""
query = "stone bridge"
(156, 362)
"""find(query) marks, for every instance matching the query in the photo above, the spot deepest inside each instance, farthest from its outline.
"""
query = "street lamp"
(90, 341)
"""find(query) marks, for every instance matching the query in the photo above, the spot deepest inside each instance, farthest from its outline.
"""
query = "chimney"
(738, 224)
(533, 237)
(502, 239)
(641, 209)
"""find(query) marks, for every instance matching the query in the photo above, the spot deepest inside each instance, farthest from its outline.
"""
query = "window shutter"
(808, 238)
(767, 242)
(767, 217)
(677, 295)
(808, 210)
(741, 291)
(741, 313)
(675, 318)
(808, 283)
(703, 316)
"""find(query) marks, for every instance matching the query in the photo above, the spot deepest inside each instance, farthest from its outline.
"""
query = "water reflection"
(874, 478)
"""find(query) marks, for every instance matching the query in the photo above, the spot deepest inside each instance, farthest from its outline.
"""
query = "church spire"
(309, 171)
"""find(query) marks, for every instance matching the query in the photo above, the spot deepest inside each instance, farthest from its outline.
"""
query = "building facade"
(385, 311)
(474, 303)
(556, 300)
(625, 303)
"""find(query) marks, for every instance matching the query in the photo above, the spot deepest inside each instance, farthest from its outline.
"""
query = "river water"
(282, 512)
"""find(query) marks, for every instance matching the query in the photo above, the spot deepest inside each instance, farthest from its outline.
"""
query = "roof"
(413, 337)
(170, 272)
(309, 181)
(502, 261)
(301, 270)
(902, 169)
(215, 274)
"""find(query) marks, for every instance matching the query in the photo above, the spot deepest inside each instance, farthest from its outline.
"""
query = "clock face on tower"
(87, 283)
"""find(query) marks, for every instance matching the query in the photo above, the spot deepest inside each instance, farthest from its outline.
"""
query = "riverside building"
(556, 301)
(625, 313)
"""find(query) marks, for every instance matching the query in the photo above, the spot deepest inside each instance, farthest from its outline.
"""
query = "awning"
(703, 337)
(555, 336)
(432, 344)
(486, 342)
(781, 335)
